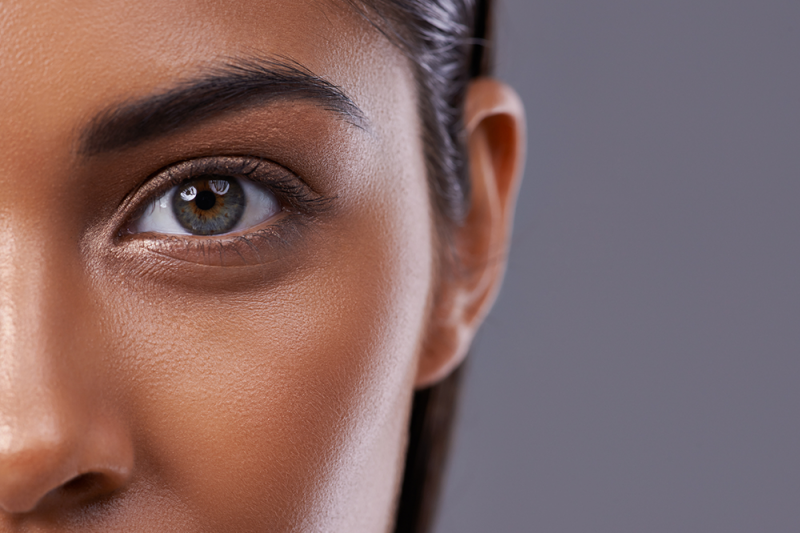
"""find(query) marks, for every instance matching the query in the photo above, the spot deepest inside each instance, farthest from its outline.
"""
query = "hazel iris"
(209, 205)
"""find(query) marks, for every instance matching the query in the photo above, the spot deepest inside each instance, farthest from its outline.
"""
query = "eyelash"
(295, 196)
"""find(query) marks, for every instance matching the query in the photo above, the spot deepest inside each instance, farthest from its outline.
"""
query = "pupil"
(205, 200)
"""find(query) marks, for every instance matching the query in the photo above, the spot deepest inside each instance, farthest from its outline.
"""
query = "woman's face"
(216, 270)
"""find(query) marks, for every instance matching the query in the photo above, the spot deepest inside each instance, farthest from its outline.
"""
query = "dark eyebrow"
(230, 86)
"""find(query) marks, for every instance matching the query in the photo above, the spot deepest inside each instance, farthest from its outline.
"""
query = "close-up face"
(220, 262)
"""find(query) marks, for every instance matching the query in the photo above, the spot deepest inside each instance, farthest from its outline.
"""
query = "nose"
(49, 460)
(62, 444)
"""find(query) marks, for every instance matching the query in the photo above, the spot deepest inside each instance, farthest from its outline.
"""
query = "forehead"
(62, 60)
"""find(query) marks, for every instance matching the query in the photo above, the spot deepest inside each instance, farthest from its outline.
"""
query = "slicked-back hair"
(448, 43)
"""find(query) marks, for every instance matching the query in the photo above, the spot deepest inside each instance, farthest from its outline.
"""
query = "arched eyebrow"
(228, 87)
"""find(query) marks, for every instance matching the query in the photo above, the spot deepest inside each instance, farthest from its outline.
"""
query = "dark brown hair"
(451, 52)
(448, 43)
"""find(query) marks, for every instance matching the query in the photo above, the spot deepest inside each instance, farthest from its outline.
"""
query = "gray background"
(641, 370)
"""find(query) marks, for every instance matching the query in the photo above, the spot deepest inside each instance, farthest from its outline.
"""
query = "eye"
(208, 205)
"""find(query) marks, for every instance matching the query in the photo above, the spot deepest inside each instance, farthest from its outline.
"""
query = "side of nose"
(61, 443)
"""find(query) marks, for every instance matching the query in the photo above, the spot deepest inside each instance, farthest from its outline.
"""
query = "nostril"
(83, 484)
(80, 490)
(83, 489)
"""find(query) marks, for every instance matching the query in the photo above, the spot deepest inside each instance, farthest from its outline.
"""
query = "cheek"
(285, 404)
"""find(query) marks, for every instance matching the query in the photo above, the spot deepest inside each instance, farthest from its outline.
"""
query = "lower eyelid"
(262, 245)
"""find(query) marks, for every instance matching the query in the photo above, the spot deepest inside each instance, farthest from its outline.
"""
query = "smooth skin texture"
(260, 382)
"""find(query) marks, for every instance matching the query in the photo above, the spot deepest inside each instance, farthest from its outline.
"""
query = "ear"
(495, 126)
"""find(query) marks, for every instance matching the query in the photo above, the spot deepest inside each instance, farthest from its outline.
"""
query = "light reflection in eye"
(189, 194)
(220, 186)
(209, 205)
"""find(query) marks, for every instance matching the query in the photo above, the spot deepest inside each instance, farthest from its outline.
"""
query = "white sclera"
(260, 205)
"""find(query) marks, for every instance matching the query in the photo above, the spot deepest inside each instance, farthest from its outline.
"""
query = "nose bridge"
(51, 429)
(38, 305)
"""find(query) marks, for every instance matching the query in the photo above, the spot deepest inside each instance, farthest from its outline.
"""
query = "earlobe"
(495, 126)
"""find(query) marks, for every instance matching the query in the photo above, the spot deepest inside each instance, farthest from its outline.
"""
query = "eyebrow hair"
(230, 86)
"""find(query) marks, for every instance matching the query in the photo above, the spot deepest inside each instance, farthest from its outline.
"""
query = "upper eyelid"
(249, 167)
(230, 166)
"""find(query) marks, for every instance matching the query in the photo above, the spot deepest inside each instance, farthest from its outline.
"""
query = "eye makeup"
(229, 208)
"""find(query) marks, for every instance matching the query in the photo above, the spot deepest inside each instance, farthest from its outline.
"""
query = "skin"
(145, 386)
